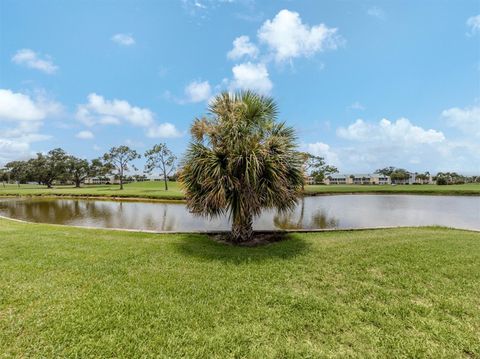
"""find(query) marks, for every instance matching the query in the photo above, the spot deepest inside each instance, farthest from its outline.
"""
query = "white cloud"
(400, 143)
(16, 106)
(288, 38)
(375, 11)
(323, 150)
(242, 47)
(98, 110)
(17, 148)
(198, 91)
(11, 150)
(199, 5)
(33, 60)
(164, 130)
(27, 115)
(85, 135)
(399, 132)
(123, 39)
(250, 76)
(474, 24)
(467, 119)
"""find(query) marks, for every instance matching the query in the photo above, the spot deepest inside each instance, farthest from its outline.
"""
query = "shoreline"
(174, 199)
(219, 232)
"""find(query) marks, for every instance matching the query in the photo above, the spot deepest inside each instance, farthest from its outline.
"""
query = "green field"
(155, 190)
(69, 292)
(148, 190)
(459, 189)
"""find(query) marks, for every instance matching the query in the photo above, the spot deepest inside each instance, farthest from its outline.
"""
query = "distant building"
(414, 179)
(336, 179)
(99, 180)
(116, 180)
(359, 179)
(310, 180)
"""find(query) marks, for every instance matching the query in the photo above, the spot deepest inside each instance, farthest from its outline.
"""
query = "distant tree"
(139, 178)
(3, 175)
(17, 171)
(119, 159)
(387, 171)
(160, 156)
(399, 174)
(441, 181)
(450, 177)
(45, 169)
(424, 177)
(78, 169)
(316, 166)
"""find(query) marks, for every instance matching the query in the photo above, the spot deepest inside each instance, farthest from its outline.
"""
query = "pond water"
(339, 211)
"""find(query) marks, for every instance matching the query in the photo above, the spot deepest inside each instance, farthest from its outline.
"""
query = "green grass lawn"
(155, 190)
(459, 189)
(148, 190)
(69, 292)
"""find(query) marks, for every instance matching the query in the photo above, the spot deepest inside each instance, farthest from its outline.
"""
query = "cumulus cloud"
(98, 110)
(287, 37)
(19, 107)
(34, 60)
(323, 150)
(252, 77)
(242, 47)
(21, 118)
(85, 135)
(164, 130)
(474, 24)
(123, 39)
(371, 145)
(401, 131)
(466, 119)
(197, 91)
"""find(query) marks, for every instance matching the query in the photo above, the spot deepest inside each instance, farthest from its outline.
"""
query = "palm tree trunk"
(242, 229)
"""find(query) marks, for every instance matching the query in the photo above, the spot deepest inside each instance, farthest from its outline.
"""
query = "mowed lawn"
(155, 190)
(458, 189)
(148, 190)
(69, 292)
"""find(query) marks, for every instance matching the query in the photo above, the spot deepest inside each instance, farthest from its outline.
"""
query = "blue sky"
(366, 83)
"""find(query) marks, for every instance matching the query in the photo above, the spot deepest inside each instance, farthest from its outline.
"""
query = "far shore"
(155, 192)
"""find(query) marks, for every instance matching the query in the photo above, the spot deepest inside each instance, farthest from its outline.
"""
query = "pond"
(338, 211)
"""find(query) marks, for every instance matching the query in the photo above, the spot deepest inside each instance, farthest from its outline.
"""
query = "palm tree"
(240, 161)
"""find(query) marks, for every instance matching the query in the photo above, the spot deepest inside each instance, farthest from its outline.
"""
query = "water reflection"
(345, 211)
(318, 219)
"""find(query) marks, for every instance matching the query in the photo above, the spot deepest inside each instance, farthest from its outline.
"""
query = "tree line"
(441, 178)
(59, 166)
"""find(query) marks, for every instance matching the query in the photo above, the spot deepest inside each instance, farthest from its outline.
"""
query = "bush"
(441, 181)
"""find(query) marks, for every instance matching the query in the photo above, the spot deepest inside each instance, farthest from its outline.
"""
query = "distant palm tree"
(240, 161)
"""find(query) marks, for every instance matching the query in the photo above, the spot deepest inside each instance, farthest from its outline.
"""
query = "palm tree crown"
(241, 160)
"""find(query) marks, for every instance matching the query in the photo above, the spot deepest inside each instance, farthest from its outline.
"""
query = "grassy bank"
(460, 189)
(67, 292)
(146, 190)
(155, 190)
